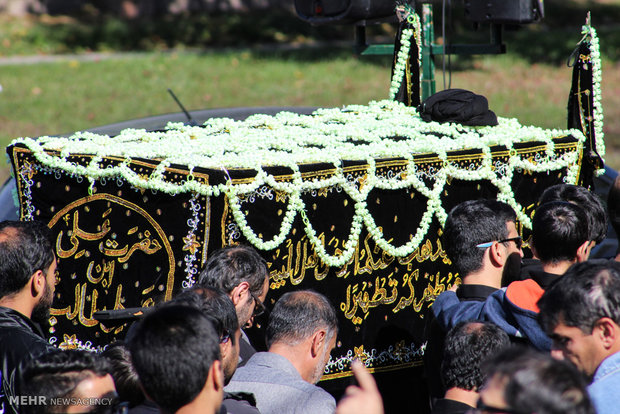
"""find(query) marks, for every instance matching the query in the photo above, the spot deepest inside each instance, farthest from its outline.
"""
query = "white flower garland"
(597, 108)
(354, 132)
(403, 53)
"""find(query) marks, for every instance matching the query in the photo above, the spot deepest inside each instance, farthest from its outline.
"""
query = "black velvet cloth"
(581, 109)
(459, 106)
(123, 247)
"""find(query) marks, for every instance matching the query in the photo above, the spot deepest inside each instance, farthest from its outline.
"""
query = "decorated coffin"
(348, 202)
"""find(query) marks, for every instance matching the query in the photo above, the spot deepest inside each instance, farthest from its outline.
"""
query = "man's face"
(320, 367)
(246, 316)
(41, 311)
(583, 350)
(512, 266)
(231, 356)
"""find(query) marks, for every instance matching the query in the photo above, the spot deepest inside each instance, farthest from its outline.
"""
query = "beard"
(41, 311)
(320, 367)
(512, 269)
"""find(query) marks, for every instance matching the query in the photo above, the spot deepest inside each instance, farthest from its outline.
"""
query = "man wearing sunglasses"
(482, 271)
(242, 273)
(560, 237)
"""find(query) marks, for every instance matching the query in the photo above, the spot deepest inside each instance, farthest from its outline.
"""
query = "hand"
(362, 399)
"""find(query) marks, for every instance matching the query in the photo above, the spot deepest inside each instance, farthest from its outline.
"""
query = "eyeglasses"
(225, 337)
(259, 307)
(518, 242)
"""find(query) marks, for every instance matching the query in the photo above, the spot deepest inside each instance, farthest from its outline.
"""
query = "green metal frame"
(430, 49)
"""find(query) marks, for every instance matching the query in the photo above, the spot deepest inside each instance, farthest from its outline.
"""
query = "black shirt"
(435, 336)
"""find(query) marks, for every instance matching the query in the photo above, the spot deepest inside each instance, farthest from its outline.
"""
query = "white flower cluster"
(595, 58)
(379, 130)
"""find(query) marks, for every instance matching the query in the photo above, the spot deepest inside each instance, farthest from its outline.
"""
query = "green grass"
(530, 83)
(57, 98)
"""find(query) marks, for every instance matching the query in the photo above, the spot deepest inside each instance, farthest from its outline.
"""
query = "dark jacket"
(239, 403)
(435, 336)
(20, 341)
(513, 309)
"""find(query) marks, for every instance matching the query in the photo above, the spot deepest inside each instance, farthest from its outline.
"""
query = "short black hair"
(587, 292)
(471, 223)
(231, 265)
(559, 228)
(57, 374)
(214, 303)
(467, 345)
(297, 315)
(124, 374)
(584, 198)
(25, 247)
(537, 383)
(172, 351)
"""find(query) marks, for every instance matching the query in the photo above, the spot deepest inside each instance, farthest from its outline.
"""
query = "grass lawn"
(530, 83)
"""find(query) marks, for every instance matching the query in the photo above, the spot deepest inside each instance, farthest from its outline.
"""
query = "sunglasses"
(517, 240)
(259, 307)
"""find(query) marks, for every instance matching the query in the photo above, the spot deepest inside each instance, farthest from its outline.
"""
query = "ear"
(240, 293)
(318, 342)
(606, 331)
(583, 251)
(497, 255)
(37, 283)
(534, 252)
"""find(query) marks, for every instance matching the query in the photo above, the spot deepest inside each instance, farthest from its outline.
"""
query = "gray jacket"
(279, 388)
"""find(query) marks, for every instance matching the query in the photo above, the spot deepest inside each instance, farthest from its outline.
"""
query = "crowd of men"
(537, 335)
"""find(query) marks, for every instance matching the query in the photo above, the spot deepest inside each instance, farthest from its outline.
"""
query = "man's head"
(522, 381)
(242, 273)
(474, 224)
(75, 380)
(467, 345)
(581, 314)
(27, 268)
(124, 374)
(303, 323)
(591, 204)
(216, 304)
(176, 352)
(560, 233)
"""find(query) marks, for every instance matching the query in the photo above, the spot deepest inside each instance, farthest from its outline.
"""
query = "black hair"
(226, 268)
(536, 383)
(172, 351)
(297, 315)
(587, 292)
(25, 247)
(57, 374)
(124, 374)
(214, 303)
(584, 198)
(559, 228)
(467, 345)
(471, 223)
